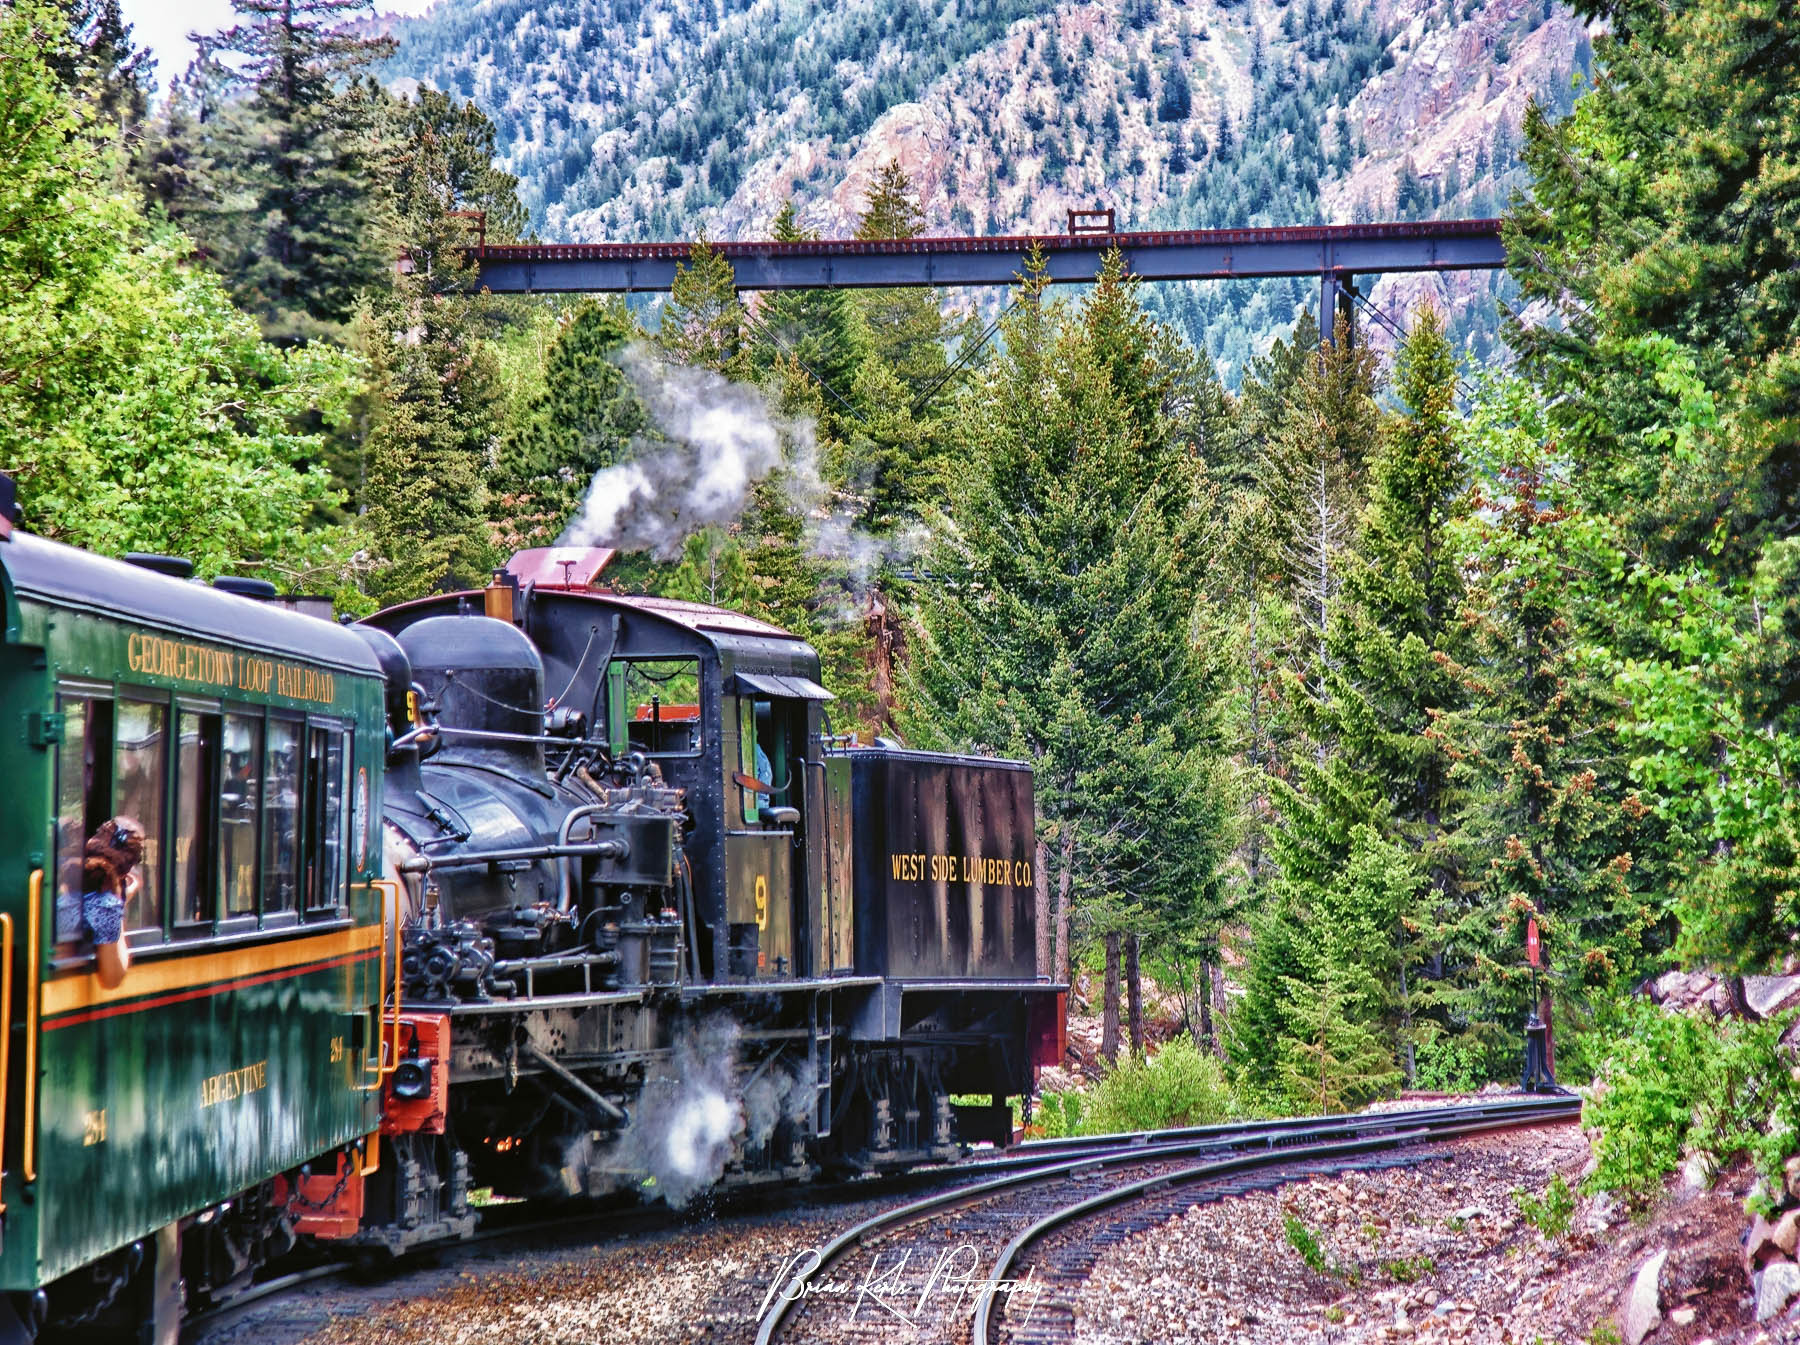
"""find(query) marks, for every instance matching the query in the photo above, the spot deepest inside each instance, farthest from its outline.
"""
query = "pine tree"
(1177, 99)
(279, 188)
(1389, 676)
(105, 70)
(891, 209)
(586, 417)
(1551, 826)
(903, 328)
(438, 398)
(1062, 632)
(816, 329)
(1370, 761)
(703, 321)
(893, 453)
(1311, 457)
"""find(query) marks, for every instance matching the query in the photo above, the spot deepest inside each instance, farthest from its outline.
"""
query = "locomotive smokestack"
(567, 568)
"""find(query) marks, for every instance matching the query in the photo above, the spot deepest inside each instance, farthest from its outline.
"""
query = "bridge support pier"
(1337, 293)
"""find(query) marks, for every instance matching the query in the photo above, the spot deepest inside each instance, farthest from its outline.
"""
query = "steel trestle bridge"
(1335, 253)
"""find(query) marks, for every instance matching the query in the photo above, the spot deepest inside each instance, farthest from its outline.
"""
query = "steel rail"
(1127, 1146)
(985, 1319)
(1283, 1141)
(1550, 1102)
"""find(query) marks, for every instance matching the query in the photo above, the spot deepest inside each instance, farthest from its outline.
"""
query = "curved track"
(1003, 1259)
(1043, 1209)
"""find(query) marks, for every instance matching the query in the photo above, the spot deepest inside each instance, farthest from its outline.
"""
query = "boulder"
(1767, 996)
(1718, 999)
(1698, 1171)
(1787, 1232)
(1791, 1169)
(1789, 1045)
(1671, 988)
(1643, 1306)
(1776, 1287)
(1759, 1245)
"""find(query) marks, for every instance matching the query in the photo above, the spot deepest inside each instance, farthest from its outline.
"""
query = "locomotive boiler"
(661, 930)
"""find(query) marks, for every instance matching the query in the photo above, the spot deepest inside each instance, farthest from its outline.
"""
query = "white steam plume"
(721, 439)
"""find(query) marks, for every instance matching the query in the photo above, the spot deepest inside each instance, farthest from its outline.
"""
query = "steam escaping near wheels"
(699, 1134)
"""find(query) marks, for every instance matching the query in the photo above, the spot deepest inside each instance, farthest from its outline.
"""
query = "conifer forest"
(1334, 675)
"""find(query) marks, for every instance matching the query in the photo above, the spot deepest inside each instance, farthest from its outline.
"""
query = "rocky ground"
(1438, 1253)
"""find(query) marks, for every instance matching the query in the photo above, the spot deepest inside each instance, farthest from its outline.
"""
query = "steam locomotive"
(542, 888)
(664, 931)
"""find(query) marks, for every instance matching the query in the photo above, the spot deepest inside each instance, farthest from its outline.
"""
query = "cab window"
(752, 759)
(653, 706)
(141, 786)
(763, 755)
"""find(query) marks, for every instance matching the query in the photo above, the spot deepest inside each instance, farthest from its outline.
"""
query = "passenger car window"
(83, 799)
(141, 776)
(239, 794)
(196, 796)
(327, 793)
(281, 817)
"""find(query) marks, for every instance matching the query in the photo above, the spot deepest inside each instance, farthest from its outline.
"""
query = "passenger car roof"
(66, 576)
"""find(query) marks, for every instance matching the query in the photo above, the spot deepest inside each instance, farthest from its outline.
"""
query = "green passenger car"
(244, 1040)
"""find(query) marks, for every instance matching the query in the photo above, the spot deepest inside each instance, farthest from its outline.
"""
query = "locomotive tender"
(541, 888)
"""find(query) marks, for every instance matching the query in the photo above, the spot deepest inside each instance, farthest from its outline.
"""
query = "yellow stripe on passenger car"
(84, 991)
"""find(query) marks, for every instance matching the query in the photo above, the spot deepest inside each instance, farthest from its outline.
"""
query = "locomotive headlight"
(412, 1079)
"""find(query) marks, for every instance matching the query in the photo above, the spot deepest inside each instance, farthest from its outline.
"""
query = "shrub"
(1178, 1086)
(1453, 1064)
(1552, 1214)
(1056, 1115)
(1674, 1081)
(1303, 1240)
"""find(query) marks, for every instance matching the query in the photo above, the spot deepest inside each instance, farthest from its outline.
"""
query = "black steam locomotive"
(660, 929)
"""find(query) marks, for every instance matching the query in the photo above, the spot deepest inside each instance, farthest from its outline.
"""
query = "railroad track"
(991, 1202)
(1003, 1259)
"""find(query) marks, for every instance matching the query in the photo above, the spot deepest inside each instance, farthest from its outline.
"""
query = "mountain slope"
(631, 119)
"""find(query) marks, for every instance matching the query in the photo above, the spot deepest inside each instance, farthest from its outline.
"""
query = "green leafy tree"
(1663, 229)
(138, 409)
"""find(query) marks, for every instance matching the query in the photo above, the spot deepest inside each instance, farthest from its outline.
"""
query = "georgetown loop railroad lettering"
(223, 670)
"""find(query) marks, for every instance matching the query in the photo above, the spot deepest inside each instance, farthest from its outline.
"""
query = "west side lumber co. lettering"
(226, 670)
(923, 868)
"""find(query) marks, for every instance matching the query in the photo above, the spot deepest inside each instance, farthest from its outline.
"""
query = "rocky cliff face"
(659, 118)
